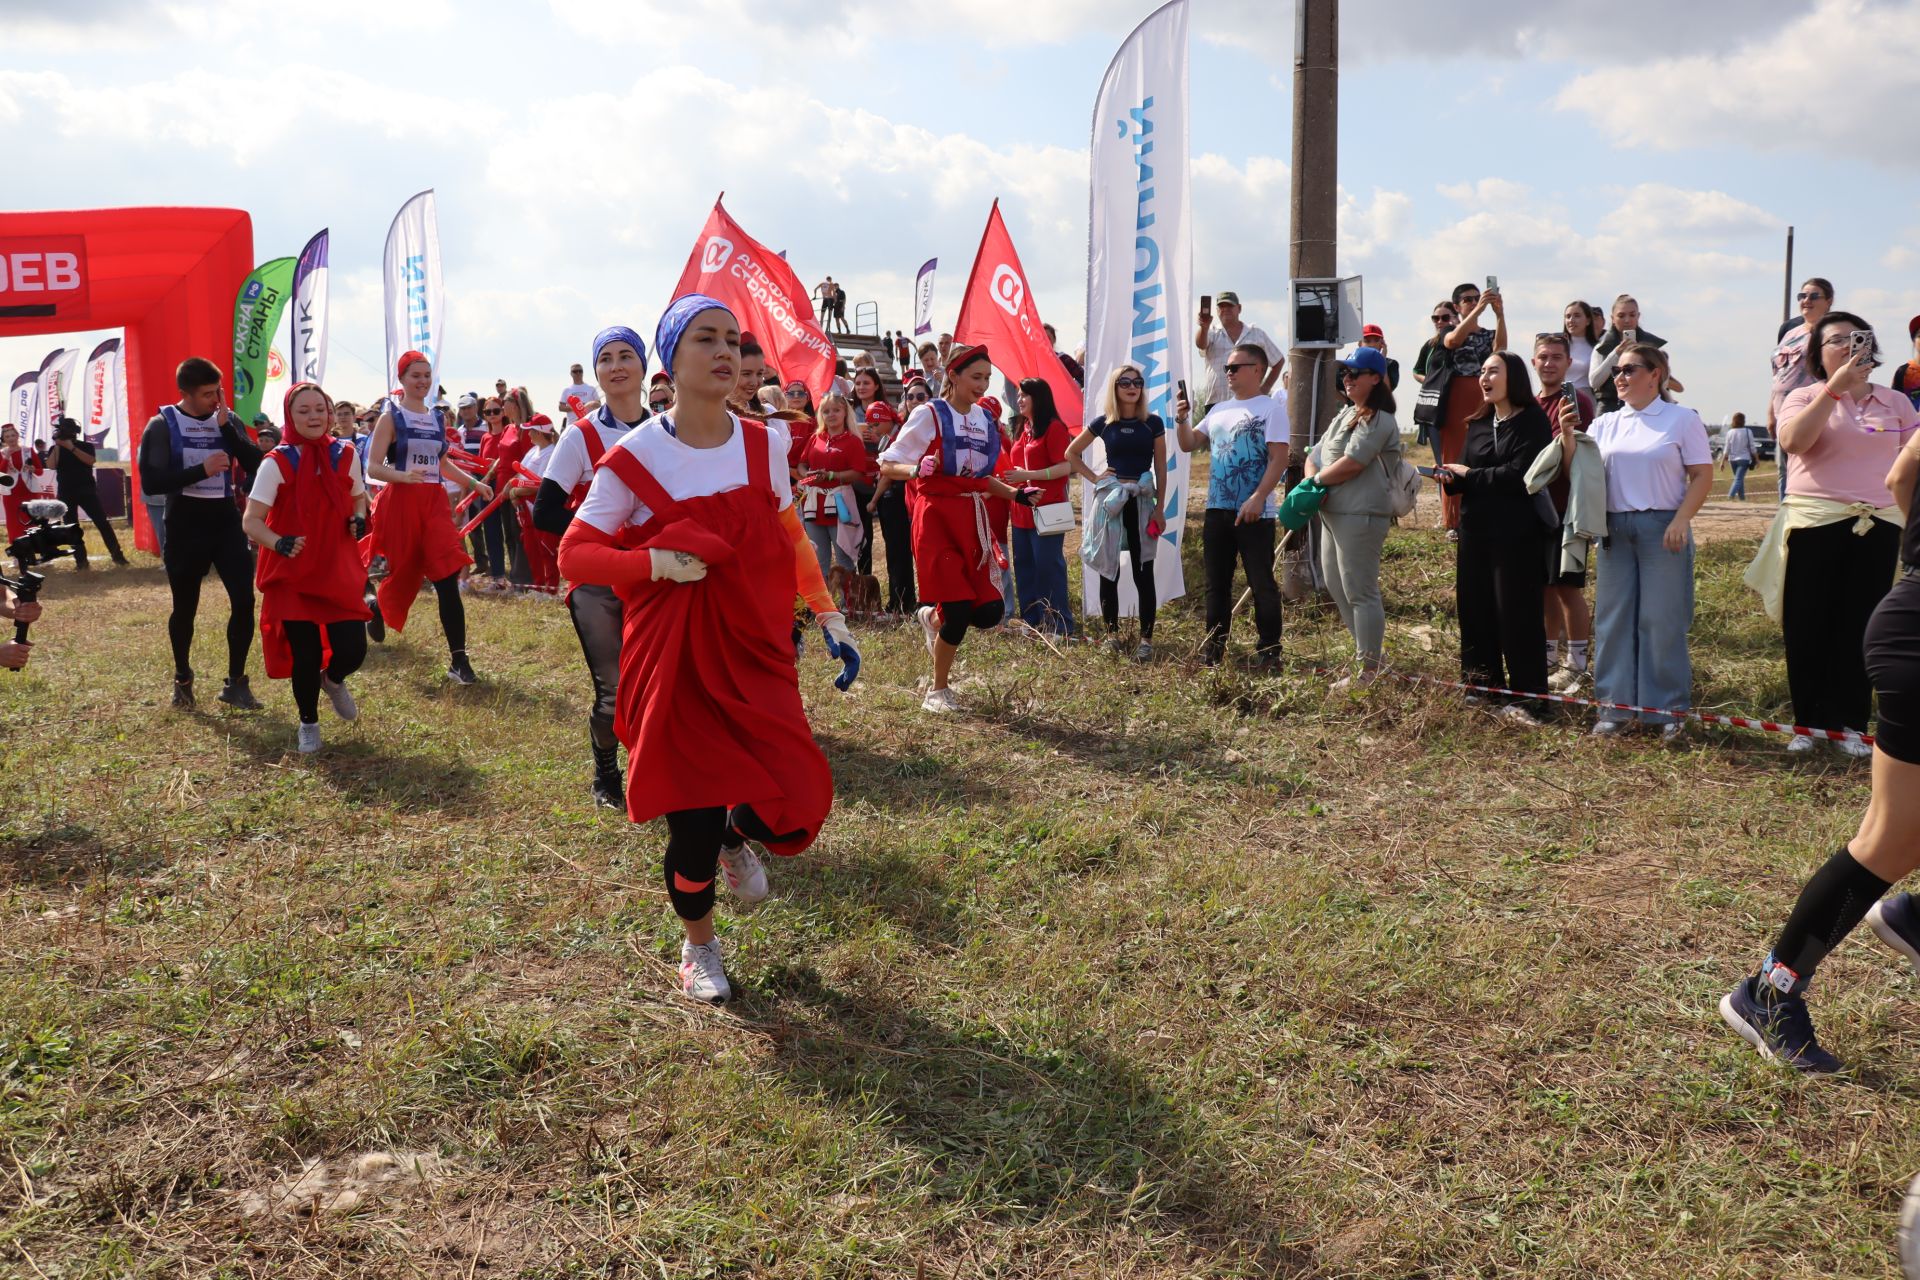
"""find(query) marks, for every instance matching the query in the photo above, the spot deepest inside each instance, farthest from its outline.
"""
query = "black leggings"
(347, 639)
(1143, 584)
(204, 533)
(453, 612)
(88, 501)
(957, 616)
(598, 619)
(694, 837)
(1893, 662)
(896, 527)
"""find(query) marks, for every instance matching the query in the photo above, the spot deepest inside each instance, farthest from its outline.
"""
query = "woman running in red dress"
(947, 453)
(413, 523)
(690, 519)
(308, 511)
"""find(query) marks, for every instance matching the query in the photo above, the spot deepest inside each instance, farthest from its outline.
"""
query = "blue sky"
(1574, 150)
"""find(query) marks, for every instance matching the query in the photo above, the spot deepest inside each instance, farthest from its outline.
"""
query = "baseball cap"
(1366, 360)
(881, 412)
(991, 405)
(468, 400)
(1372, 331)
(262, 420)
(1913, 327)
(1228, 295)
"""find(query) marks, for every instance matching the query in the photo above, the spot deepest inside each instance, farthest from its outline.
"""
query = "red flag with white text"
(765, 296)
(998, 310)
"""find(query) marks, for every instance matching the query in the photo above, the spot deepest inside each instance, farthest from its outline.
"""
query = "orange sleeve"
(590, 556)
(806, 565)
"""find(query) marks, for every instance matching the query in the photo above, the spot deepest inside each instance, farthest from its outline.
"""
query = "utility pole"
(1311, 385)
(1786, 296)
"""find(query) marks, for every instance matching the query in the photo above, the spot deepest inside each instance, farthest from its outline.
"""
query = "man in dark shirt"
(73, 462)
(187, 452)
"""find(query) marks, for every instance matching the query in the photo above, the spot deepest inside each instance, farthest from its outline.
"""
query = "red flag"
(998, 310)
(762, 291)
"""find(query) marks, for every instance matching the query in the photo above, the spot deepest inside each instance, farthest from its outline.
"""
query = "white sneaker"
(939, 700)
(1565, 680)
(1514, 713)
(1854, 748)
(1609, 728)
(929, 625)
(309, 738)
(746, 874)
(701, 977)
(343, 703)
(1799, 746)
(1674, 734)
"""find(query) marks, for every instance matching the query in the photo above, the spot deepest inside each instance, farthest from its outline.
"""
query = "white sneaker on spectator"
(746, 874)
(929, 625)
(343, 703)
(701, 976)
(1609, 728)
(1854, 748)
(939, 700)
(1565, 680)
(1674, 734)
(309, 739)
(1799, 746)
(1514, 713)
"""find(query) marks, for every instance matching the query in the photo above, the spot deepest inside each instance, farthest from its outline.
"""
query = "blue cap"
(1366, 360)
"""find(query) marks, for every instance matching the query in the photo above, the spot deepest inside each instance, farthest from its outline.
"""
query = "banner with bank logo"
(310, 311)
(256, 314)
(998, 310)
(50, 393)
(764, 295)
(416, 295)
(1140, 255)
(923, 298)
(104, 419)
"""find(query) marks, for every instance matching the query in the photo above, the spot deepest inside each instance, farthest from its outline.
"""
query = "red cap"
(1372, 331)
(881, 411)
(992, 406)
(1913, 327)
(540, 420)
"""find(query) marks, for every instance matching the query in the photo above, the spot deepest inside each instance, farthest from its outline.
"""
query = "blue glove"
(840, 645)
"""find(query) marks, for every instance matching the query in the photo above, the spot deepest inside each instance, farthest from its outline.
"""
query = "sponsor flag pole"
(415, 293)
(256, 314)
(310, 311)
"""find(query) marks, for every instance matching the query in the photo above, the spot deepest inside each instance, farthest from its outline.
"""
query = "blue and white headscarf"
(619, 333)
(674, 322)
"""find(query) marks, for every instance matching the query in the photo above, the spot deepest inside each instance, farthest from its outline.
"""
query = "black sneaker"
(237, 694)
(376, 625)
(1897, 922)
(460, 671)
(183, 694)
(1780, 1029)
(610, 790)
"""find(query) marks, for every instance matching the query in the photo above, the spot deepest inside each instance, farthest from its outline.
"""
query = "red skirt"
(709, 701)
(955, 556)
(413, 528)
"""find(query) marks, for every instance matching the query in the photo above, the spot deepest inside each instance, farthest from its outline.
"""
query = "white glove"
(835, 625)
(677, 566)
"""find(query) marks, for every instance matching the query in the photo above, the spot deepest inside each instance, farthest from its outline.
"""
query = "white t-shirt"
(568, 465)
(266, 482)
(537, 458)
(1647, 453)
(683, 471)
(974, 432)
(587, 394)
(1220, 346)
(1740, 444)
(1580, 360)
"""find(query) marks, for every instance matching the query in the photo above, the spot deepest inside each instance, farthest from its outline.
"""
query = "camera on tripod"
(49, 536)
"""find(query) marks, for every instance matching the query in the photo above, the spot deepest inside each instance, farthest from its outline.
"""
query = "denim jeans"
(1643, 609)
(825, 549)
(1738, 489)
(1040, 578)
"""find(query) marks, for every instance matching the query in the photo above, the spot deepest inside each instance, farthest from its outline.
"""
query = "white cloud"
(1819, 83)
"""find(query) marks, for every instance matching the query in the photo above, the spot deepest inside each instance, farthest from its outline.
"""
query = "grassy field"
(1135, 971)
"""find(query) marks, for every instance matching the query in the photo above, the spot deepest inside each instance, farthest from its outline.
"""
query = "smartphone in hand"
(1860, 347)
(1493, 284)
(1431, 473)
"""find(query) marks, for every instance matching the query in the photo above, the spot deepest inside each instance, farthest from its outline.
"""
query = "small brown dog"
(858, 593)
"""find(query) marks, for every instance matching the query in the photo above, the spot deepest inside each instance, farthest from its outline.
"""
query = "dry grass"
(1129, 971)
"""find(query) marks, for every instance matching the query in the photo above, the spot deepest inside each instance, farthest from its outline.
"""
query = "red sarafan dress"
(709, 702)
(412, 523)
(955, 554)
(323, 583)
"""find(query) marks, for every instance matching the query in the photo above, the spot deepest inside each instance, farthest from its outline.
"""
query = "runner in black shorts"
(187, 453)
(1768, 1008)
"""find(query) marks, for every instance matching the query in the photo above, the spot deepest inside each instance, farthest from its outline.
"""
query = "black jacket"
(1494, 498)
(158, 475)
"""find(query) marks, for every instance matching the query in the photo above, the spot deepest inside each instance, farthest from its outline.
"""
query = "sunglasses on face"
(1235, 368)
(1133, 382)
(1354, 375)
(1442, 318)
(918, 397)
(1628, 370)
(1811, 295)
(658, 406)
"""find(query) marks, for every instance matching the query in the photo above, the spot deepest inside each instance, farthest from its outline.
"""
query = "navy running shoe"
(1897, 922)
(1780, 1029)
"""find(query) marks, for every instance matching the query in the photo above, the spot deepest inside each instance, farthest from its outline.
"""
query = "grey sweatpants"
(1350, 563)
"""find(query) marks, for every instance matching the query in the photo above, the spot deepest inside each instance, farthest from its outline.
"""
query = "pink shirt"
(1850, 461)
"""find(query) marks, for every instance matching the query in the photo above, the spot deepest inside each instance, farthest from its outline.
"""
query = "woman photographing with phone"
(1829, 556)
(1464, 350)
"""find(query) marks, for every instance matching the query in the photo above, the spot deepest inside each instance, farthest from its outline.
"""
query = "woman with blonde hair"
(831, 460)
(1127, 497)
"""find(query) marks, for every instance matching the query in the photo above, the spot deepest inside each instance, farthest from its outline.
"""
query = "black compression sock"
(1834, 901)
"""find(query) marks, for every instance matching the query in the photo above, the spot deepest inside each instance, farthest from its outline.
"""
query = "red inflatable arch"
(166, 276)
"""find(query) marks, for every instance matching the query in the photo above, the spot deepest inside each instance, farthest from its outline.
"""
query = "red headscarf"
(319, 493)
